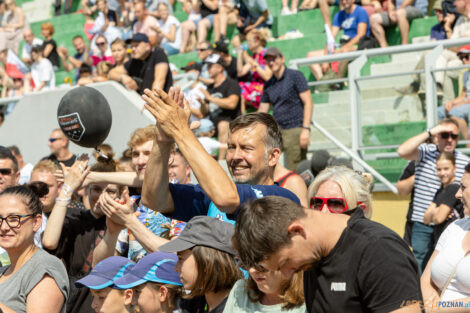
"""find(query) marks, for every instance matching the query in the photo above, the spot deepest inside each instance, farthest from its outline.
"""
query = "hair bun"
(40, 189)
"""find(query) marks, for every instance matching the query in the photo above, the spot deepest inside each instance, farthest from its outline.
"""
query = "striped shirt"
(426, 180)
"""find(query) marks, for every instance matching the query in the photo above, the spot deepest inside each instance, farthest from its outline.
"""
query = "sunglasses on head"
(6, 171)
(447, 135)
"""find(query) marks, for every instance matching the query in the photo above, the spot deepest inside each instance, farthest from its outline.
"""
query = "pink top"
(146, 26)
(97, 59)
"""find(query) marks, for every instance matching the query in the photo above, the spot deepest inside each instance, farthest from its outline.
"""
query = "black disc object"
(84, 116)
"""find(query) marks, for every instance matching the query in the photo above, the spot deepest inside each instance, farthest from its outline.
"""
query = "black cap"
(273, 51)
(192, 66)
(138, 37)
(220, 46)
(203, 231)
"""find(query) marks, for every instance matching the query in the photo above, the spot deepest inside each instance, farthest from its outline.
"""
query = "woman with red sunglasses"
(339, 189)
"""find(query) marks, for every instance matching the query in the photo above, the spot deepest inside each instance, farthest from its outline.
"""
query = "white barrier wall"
(35, 116)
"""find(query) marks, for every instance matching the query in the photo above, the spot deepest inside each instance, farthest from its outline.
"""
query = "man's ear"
(273, 157)
(296, 228)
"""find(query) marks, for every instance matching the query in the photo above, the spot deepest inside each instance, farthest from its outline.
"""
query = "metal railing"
(357, 60)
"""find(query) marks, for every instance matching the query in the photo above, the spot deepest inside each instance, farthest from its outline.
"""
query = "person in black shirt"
(229, 62)
(351, 264)
(147, 69)
(72, 236)
(222, 98)
(49, 45)
(59, 147)
(443, 209)
(405, 186)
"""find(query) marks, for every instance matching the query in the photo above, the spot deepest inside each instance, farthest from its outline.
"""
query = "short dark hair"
(216, 270)
(6, 154)
(446, 156)
(37, 49)
(77, 37)
(14, 150)
(273, 137)
(29, 194)
(85, 68)
(262, 228)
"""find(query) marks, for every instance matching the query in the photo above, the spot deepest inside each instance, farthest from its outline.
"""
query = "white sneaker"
(293, 12)
(285, 11)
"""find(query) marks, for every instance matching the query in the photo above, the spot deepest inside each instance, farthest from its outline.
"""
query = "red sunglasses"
(334, 205)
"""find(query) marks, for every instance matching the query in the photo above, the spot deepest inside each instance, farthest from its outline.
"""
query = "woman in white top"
(447, 275)
(168, 30)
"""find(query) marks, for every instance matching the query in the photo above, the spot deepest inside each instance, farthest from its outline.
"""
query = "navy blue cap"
(105, 273)
(138, 37)
(157, 267)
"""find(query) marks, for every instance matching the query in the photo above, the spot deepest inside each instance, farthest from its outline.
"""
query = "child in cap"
(156, 286)
(204, 134)
(107, 298)
(206, 263)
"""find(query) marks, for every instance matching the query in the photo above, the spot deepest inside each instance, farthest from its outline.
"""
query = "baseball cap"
(213, 59)
(220, 46)
(105, 273)
(192, 66)
(203, 231)
(157, 267)
(273, 51)
(464, 50)
(206, 125)
(437, 5)
(138, 37)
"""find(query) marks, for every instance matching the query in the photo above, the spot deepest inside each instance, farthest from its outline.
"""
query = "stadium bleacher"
(401, 123)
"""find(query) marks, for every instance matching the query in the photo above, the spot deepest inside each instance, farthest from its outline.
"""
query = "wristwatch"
(429, 132)
(306, 127)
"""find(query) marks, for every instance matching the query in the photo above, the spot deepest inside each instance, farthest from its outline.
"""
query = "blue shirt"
(350, 22)
(191, 200)
(283, 94)
(438, 32)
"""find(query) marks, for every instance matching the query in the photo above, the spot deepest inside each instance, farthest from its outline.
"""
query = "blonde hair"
(142, 135)
(356, 186)
(45, 166)
(261, 34)
(103, 68)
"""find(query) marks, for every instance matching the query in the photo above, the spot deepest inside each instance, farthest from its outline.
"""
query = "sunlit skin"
(94, 191)
(246, 155)
(150, 299)
(108, 300)
(178, 170)
(8, 180)
(15, 240)
(449, 144)
(58, 144)
(119, 53)
(463, 194)
(140, 157)
(445, 171)
(186, 267)
(329, 189)
(49, 179)
(268, 282)
(79, 45)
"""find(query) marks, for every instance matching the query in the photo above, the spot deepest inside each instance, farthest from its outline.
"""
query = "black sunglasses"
(447, 135)
(6, 171)
(100, 43)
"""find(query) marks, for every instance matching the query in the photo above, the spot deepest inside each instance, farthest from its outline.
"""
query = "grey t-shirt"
(14, 291)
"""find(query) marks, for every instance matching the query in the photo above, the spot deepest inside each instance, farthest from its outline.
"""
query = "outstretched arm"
(172, 113)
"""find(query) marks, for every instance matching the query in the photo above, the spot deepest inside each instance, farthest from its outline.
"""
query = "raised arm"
(173, 120)
(73, 181)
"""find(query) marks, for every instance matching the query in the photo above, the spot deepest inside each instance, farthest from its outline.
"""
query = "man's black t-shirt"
(69, 162)
(79, 235)
(370, 269)
(227, 88)
(143, 72)
(53, 56)
(205, 10)
(199, 305)
(231, 69)
(446, 195)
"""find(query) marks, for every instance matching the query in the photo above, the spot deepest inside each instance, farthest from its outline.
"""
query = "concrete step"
(393, 67)
(401, 57)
